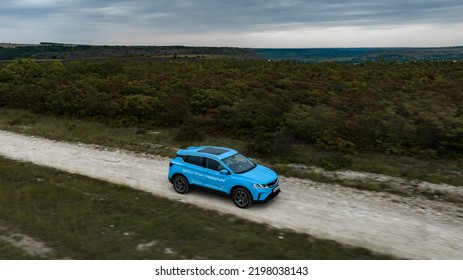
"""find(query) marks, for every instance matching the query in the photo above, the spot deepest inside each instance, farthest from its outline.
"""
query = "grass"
(368, 185)
(431, 170)
(165, 142)
(83, 218)
(447, 171)
(10, 252)
(85, 132)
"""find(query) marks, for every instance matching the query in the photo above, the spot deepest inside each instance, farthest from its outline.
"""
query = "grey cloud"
(202, 16)
(239, 14)
(257, 13)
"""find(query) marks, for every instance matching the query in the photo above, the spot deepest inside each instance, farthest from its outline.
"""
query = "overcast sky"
(237, 23)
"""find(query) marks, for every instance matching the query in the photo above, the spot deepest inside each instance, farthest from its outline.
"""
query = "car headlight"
(259, 186)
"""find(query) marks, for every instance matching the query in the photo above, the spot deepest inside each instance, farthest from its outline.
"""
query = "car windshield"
(239, 163)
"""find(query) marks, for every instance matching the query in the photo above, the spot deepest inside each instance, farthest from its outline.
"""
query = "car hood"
(260, 175)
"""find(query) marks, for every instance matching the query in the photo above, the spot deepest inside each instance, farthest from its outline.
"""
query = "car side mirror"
(224, 172)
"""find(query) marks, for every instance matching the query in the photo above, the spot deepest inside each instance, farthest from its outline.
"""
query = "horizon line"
(205, 46)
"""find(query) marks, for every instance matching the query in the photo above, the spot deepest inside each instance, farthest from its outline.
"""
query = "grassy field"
(11, 252)
(82, 218)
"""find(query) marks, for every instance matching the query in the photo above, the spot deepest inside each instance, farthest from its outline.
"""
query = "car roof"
(211, 151)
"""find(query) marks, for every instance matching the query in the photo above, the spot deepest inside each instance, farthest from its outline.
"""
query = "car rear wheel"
(242, 198)
(181, 184)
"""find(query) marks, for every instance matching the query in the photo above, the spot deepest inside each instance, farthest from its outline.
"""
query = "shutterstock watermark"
(210, 271)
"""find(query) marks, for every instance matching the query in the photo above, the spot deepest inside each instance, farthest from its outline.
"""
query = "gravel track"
(406, 227)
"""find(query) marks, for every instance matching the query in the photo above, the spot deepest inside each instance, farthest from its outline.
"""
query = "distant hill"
(49, 50)
(361, 55)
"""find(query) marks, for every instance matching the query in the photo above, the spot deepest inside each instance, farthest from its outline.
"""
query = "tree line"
(405, 109)
(47, 50)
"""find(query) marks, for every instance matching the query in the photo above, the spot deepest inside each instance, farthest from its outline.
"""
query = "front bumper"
(273, 195)
(268, 195)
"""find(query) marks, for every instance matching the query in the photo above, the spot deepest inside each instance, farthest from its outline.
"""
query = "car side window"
(195, 160)
(213, 164)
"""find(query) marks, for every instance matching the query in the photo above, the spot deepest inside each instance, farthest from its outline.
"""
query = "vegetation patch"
(375, 182)
(32, 247)
(410, 109)
(9, 251)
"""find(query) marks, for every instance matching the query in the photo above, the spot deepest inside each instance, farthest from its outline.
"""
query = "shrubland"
(401, 109)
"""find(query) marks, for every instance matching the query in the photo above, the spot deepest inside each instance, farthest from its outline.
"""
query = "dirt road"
(414, 228)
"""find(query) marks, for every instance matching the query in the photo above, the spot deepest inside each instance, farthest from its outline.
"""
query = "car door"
(215, 180)
(196, 172)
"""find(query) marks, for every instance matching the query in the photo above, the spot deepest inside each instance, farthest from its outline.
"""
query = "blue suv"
(223, 170)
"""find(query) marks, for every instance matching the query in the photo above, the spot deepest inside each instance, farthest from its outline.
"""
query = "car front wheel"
(242, 198)
(180, 184)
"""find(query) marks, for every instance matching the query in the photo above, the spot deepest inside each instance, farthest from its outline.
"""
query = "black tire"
(180, 184)
(242, 198)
